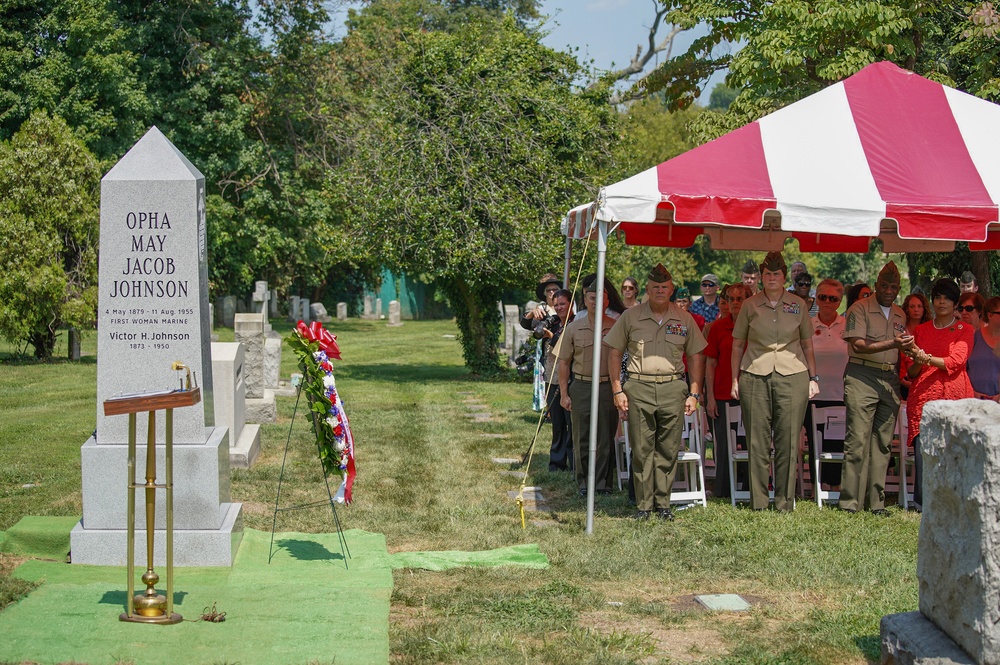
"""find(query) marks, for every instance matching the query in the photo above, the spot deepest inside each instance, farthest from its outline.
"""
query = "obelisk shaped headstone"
(153, 310)
(153, 298)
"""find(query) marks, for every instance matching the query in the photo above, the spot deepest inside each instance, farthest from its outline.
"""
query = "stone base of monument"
(244, 453)
(263, 410)
(911, 638)
(192, 547)
(211, 525)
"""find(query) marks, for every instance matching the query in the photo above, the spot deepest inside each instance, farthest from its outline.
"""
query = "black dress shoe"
(665, 514)
(583, 493)
(604, 491)
(847, 510)
(881, 512)
(642, 515)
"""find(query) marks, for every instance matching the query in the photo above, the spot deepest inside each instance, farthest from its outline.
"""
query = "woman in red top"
(943, 345)
(718, 376)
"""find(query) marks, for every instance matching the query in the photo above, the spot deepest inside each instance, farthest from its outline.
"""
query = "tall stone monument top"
(154, 157)
(153, 284)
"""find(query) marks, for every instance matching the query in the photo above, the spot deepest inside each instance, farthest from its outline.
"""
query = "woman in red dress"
(943, 345)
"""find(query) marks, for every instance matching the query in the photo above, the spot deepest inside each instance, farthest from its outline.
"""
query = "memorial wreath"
(315, 347)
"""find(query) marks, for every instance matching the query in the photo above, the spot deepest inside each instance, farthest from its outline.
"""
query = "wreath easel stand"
(344, 549)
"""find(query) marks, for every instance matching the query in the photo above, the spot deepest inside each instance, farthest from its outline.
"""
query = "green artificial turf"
(303, 607)
(527, 556)
(39, 537)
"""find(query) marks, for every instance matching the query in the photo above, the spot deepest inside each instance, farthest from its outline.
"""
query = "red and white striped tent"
(884, 153)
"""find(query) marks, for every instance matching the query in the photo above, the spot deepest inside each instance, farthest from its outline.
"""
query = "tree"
(49, 221)
(469, 146)
(73, 60)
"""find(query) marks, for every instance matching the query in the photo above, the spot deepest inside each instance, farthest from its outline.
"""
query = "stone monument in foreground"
(957, 566)
(152, 310)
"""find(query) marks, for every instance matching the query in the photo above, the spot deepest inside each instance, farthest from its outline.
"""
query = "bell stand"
(345, 551)
(150, 607)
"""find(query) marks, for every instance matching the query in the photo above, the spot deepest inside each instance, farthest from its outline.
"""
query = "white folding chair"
(828, 424)
(907, 461)
(623, 455)
(689, 483)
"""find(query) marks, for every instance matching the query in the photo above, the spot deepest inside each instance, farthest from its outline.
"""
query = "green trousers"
(872, 399)
(655, 427)
(607, 425)
(774, 407)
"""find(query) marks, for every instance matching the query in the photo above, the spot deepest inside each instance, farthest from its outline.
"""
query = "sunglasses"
(803, 283)
(626, 287)
(708, 284)
(967, 308)
(992, 313)
(826, 298)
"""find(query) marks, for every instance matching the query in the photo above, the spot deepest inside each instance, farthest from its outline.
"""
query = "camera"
(544, 324)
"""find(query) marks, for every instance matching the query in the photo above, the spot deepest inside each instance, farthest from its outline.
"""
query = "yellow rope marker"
(541, 416)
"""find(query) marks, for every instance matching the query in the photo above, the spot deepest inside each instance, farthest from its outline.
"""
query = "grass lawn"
(819, 580)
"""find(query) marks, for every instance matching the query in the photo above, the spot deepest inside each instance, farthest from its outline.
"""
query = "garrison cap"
(774, 261)
(750, 268)
(682, 294)
(890, 272)
(659, 274)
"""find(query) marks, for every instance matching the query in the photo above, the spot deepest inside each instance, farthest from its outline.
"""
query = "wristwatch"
(814, 378)
(697, 396)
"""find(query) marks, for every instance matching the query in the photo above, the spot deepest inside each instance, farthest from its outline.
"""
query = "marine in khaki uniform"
(774, 377)
(657, 335)
(875, 333)
(576, 360)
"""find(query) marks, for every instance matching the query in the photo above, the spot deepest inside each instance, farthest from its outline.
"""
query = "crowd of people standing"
(771, 345)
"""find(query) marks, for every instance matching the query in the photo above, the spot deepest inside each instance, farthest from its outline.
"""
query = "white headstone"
(272, 304)
(259, 299)
(369, 307)
(318, 312)
(341, 311)
(153, 310)
(511, 323)
(230, 403)
(304, 311)
(378, 308)
(293, 309)
(957, 566)
(249, 331)
(394, 313)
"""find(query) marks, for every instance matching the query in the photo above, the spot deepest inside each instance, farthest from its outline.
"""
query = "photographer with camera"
(546, 323)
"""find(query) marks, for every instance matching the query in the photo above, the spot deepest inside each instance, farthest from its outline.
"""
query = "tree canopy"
(467, 147)
(49, 222)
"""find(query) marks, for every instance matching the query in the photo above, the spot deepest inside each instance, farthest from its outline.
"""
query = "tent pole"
(568, 255)
(595, 379)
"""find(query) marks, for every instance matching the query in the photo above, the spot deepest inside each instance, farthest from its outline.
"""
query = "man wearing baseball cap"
(707, 306)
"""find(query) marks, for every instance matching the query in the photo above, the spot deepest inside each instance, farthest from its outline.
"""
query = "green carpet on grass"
(303, 607)
(41, 537)
(528, 556)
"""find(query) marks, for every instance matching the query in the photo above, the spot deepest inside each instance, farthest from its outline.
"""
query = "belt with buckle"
(656, 378)
(582, 377)
(885, 367)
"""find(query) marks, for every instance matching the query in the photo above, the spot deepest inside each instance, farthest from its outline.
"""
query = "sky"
(605, 31)
(608, 31)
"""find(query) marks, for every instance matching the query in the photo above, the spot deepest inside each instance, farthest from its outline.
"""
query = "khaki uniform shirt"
(578, 344)
(656, 348)
(866, 319)
(773, 334)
